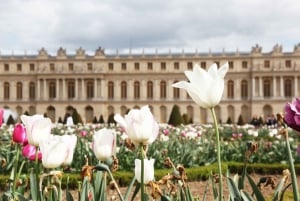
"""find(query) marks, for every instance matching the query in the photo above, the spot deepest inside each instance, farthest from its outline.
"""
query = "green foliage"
(240, 121)
(175, 118)
(101, 119)
(10, 120)
(76, 117)
(229, 121)
(111, 119)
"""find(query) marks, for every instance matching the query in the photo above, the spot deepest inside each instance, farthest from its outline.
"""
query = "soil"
(198, 189)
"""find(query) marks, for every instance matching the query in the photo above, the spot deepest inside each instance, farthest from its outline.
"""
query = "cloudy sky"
(148, 24)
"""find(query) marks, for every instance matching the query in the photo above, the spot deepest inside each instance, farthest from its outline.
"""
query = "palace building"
(257, 83)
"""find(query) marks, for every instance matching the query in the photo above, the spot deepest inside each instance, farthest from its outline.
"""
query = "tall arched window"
(288, 88)
(230, 89)
(244, 89)
(71, 89)
(123, 90)
(176, 92)
(89, 114)
(136, 90)
(149, 90)
(163, 89)
(31, 91)
(110, 90)
(51, 113)
(52, 89)
(19, 90)
(6, 90)
(90, 89)
(163, 114)
(267, 88)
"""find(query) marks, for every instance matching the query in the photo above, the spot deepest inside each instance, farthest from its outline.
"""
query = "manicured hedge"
(194, 173)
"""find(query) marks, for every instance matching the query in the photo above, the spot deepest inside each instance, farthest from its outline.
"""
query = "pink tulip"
(83, 133)
(1, 116)
(29, 151)
(166, 132)
(19, 134)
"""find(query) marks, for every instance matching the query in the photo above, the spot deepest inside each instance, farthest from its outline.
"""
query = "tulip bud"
(29, 151)
(19, 134)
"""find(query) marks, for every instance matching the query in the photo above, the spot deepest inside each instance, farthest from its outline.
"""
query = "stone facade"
(257, 83)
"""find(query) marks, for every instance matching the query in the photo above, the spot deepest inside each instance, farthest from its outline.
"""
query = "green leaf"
(278, 190)
(246, 196)
(69, 196)
(129, 189)
(102, 167)
(136, 190)
(255, 189)
(233, 190)
(33, 186)
(165, 198)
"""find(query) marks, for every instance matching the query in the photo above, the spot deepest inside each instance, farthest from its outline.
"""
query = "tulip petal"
(223, 70)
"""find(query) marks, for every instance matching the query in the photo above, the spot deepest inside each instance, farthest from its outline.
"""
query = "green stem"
(292, 168)
(37, 172)
(218, 154)
(15, 177)
(142, 173)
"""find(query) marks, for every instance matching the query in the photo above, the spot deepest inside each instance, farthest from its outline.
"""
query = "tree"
(95, 121)
(175, 116)
(76, 117)
(101, 119)
(60, 120)
(111, 119)
(229, 121)
(240, 121)
(10, 120)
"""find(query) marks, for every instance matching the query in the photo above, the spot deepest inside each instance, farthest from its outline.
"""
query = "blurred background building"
(258, 83)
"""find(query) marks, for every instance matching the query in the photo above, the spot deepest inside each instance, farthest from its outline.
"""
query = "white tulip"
(205, 87)
(148, 170)
(139, 125)
(104, 143)
(38, 128)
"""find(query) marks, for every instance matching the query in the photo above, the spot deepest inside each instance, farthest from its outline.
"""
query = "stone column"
(38, 89)
(103, 92)
(253, 87)
(45, 90)
(82, 95)
(274, 87)
(64, 95)
(295, 86)
(57, 89)
(95, 88)
(260, 87)
(76, 89)
(281, 87)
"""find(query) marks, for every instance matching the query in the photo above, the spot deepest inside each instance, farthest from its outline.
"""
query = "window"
(31, 91)
(32, 67)
(6, 91)
(89, 66)
(19, 90)
(110, 90)
(6, 67)
(267, 88)
(123, 65)
(149, 65)
(137, 66)
(71, 66)
(19, 67)
(163, 65)
(230, 63)
(190, 65)
(90, 89)
(71, 89)
(288, 63)
(52, 67)
(176, 92)
(52, 89)
(244, 64)
(123, 90)
(163, 89)
(149, 90)
(203, 64)
(288, 88)
(110, 66)
(230, 89)
(244, 92)
(136, 90)
(267, 64)
(176, 65)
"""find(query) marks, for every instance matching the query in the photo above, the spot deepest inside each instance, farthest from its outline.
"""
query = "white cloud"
(188, 24)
